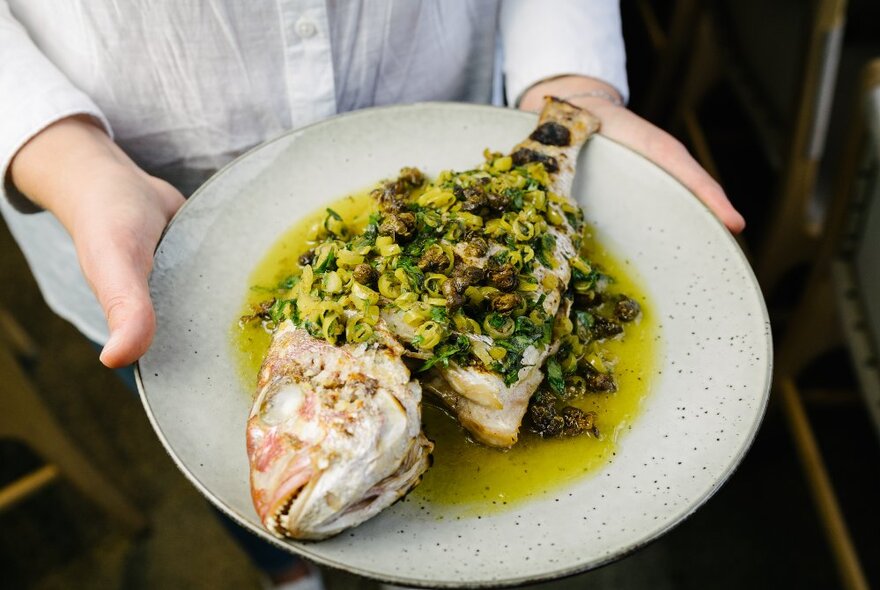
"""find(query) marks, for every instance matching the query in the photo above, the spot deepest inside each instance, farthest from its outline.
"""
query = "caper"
(364, 273)
(471, 275)
(401, 225)
(603, 327)
(411, 177)
(600, 382)
(503, 277)
(575, 389)
(476, 247)
(498, 202)
(307, 258)
(389, 201)
(392, 194)
(471, 198)
(546, 421)
(576, 421)
(433, 259)
(627, 309)
(505, 302)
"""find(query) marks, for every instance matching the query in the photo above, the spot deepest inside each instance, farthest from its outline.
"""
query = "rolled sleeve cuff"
(544, 40)
(19, 127)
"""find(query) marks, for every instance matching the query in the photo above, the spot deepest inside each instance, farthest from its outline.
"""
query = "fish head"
(324, 458)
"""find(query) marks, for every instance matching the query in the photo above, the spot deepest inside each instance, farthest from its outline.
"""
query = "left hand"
(627, 128)
(115, 213)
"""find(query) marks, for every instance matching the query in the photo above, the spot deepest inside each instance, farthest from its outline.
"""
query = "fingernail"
(108, 347)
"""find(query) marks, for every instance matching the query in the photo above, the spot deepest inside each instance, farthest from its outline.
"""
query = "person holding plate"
(113, 112)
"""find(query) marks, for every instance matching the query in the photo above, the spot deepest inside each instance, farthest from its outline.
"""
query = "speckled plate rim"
(303, 550)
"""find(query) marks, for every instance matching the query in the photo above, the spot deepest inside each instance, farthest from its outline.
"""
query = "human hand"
(115, 213)
(627, 128)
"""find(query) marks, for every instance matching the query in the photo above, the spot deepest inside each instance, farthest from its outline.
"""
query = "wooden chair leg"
(814, 328)
(787, 243)
(672, 49)
(704, 69)
(790, 239)
(848, 565)
(703, 72)
(16, 337)
(26, 417)
(26, 486)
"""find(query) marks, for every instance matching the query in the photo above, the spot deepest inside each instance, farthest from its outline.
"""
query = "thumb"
(132, 323)
(119, 278)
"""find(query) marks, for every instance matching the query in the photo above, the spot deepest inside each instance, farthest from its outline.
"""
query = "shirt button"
(305, 28)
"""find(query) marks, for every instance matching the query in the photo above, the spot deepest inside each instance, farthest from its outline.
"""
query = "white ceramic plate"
(707, 401)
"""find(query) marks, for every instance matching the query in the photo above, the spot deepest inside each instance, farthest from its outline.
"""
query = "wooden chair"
(854, 264)
(836, 290)
(696, 54)
(791, 234)
(834, 301)
(672, 47)
(25, 417)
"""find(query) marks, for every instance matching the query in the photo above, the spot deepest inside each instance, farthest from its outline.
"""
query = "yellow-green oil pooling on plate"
(464, 473)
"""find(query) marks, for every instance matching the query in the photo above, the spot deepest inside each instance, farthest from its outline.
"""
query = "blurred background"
(781, 102)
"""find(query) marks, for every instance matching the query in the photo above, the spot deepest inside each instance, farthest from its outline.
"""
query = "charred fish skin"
(334, 434)
(491, 410)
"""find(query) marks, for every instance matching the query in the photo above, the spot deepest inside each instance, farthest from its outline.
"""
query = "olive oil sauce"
(465, 473)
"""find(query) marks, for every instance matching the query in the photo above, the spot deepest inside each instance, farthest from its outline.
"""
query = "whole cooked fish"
(334, 435)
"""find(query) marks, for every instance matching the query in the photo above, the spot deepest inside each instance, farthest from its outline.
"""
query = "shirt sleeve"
(33, 95)
(542, 40)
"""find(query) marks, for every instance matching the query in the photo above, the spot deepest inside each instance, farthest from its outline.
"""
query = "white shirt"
(184, 86)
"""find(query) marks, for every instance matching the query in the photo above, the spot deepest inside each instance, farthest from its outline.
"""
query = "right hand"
(115, 213)
(627, 128)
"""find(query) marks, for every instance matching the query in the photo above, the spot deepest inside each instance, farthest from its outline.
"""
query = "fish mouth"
(294, 517)
(287, 520)
(279, 522)
(277, 517)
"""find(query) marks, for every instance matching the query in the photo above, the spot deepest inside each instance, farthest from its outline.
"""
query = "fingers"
(667, 152)
(672, 156)
(711, 193)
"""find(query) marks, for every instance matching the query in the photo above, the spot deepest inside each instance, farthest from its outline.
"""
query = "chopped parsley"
(555, 378)
(443, 353)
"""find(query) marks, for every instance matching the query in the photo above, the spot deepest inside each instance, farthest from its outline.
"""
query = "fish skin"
(334, 435)
(466, 390)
